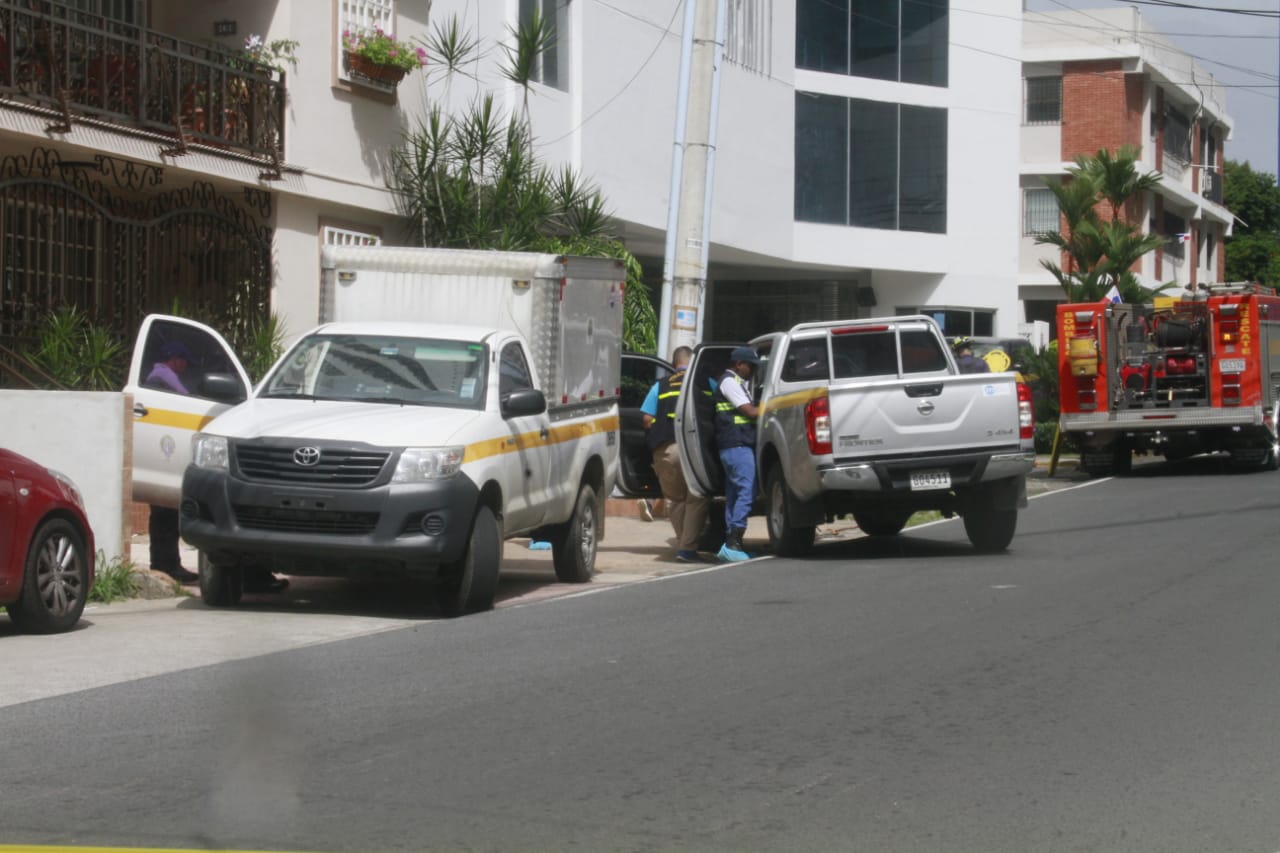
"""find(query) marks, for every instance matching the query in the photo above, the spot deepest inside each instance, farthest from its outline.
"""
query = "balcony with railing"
(88, 66)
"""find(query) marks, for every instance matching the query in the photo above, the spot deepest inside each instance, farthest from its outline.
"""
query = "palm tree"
(1100, 255)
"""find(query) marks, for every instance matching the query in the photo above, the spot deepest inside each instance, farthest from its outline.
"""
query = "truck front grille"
(284, 520)
(337, 466)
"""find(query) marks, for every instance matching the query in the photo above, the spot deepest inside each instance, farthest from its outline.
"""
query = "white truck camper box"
(569, 309)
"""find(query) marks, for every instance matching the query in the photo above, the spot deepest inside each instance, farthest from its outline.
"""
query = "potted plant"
(376, 55)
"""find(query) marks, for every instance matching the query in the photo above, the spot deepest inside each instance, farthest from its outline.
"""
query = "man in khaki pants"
(687, 511)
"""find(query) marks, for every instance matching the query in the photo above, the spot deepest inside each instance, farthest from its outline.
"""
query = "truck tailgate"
(926, 417)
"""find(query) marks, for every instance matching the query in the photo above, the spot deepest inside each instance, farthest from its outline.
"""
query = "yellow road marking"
(36, 848)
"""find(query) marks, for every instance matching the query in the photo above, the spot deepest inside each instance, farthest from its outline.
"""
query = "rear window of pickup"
(863, 355)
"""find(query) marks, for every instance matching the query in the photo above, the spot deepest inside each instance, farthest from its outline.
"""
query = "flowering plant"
(382, 49)
(275, 54)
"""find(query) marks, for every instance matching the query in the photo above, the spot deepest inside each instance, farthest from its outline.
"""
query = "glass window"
(924, 42)
(176, 358)
(1039, 211)
(1177, 135)
(806, 361)
(921, 352)
(901, 40)
(864, 354)
(922, 178)
(873, 164)
(822, 35)
(822, 151)
(873, 38)
(513, 371)
(1043, 100)
(638, 375)
(551, 67)
(896, 164)
(382, 369)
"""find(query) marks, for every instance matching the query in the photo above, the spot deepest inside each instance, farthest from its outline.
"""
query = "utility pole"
(684, 274)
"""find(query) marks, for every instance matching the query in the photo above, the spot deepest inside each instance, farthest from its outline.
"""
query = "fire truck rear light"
(817, 422)
(1026, 421)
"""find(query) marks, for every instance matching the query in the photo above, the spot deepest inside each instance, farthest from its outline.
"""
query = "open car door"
(695, 420)
(199, 378)
(635, 463)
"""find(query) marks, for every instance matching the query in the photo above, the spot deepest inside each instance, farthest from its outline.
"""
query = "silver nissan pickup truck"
(869, 418)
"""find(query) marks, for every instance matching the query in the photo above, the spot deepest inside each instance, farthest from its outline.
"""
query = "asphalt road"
(1110, 684)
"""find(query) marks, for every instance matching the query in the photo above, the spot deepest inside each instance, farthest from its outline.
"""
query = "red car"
(46, 546)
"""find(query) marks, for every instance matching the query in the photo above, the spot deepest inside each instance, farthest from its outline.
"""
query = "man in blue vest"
(736, 438)
(687, 511)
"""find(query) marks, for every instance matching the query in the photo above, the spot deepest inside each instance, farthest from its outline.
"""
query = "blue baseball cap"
(746, 354)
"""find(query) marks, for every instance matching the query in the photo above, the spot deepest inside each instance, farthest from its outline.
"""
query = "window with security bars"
(1043, 100)
(48, 258)
(359, 16)
(1177, 135)
(1039, 212)
(748, 35)
(333, 236)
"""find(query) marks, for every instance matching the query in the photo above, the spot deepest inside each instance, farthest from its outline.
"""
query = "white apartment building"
(866, 163)
(1103, 78)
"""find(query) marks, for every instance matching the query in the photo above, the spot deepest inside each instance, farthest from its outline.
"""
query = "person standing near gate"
(736, 437)
(687, 511)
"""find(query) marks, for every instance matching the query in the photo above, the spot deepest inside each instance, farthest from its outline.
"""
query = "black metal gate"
(121, 251)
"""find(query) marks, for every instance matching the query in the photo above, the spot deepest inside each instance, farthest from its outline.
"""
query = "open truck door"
(173, 402)
(696, 420)
(636, 477)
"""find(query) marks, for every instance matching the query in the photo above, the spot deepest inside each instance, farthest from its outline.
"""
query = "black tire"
(220, 585)
(55, 580)
(1122, 459)
(787, 540)
(1271, 462)
(469, 585)
(880, 521)
(573, 544)
(990, 530)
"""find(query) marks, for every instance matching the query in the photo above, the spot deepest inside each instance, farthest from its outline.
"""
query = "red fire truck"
(1180, 376)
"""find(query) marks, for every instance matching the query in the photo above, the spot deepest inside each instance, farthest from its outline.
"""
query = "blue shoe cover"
(731, 555)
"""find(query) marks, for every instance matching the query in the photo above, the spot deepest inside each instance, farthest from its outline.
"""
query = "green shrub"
(113, 580)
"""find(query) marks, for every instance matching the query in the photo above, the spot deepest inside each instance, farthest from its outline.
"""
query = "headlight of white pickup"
(427, 463)
(209, 451)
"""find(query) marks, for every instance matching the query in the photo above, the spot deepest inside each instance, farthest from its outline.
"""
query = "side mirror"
(223, 387)
(527, 401)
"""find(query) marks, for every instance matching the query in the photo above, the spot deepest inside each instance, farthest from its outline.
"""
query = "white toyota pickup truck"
(870, 418)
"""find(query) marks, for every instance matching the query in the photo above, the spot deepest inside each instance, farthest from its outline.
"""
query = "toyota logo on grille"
(307, 456)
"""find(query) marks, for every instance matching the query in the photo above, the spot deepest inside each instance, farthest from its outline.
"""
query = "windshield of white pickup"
(857, 354)
(382, 369)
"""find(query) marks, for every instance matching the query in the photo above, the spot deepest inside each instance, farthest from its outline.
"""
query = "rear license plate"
(1232, 365)
(921, 480)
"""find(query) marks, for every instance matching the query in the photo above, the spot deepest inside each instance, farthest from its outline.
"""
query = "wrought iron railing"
(85, 65)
